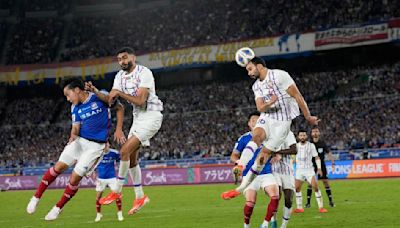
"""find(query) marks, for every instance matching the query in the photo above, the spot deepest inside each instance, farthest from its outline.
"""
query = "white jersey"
(285, 165)
(130, 83)
(276, 83)
(305, 153)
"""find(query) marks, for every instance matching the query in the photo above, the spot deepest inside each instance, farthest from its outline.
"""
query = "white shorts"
(276, 131)
(86, 154)
(145, 125)
(262, 181)
(101, 184)
(305, 174)
(284, 181)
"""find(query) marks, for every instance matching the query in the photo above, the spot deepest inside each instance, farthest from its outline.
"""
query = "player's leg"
(136, 174)
(288, 183)
(278, 178)
(112, 183)
(287, 209)
(90, 155)
(325, 181)
(67, 158)
(272, 190)
(251, 197)
(309, 193)
(259, 136)
(69, 192)
(272, 134)
(299, 197)
(98, 205)
(130, 146)
(314, 183)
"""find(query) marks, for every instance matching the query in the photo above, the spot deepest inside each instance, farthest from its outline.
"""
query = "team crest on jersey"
(79, 111)
(94, 105)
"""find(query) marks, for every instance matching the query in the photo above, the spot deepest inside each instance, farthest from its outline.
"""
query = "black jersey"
(322, 148)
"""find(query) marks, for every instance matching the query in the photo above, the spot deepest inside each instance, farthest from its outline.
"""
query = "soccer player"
(135, 84)
(322, 149)
(305, 171)
(241, 144)
(90, 128)
(283, 172)
(106, 177)
(278, 99)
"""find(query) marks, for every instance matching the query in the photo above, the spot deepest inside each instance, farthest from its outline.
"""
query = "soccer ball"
(243, 56)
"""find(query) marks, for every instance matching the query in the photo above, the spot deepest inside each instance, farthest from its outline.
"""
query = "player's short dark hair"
(73, 83)
(301, 130)
(257, 60)
(128, 50)
(315, 127)
(255, 113)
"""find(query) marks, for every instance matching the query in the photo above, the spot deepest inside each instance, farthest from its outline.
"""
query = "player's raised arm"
(294, 92)
(102, 96)
(263, 106)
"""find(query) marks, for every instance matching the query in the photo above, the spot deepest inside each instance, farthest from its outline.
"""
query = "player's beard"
(127, 67)
(256, 75)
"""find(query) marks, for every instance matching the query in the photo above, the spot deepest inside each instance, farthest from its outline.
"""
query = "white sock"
(286, 216)
(265, 223)
(319, 199)
(247, 153)
(136, 176)
(246, 225)
(122, 172)
(299, 200)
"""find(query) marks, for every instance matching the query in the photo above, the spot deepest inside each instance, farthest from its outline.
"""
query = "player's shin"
(299, 200)
(48, 178)
(272, 208)
(136, 176)
(319, 199)
(122, 172)
(69, 192)
(248, 211)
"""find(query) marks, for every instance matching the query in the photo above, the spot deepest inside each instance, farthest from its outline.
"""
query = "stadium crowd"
(362, 114)
(181, 24)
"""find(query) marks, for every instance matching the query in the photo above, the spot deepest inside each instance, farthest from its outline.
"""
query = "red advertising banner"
(352, 36)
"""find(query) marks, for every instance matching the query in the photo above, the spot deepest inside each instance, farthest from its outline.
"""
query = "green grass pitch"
(359, 203)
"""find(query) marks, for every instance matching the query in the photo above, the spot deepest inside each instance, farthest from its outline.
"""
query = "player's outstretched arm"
(263, 106)
(140, 98)
(119, 135)
(292, 150)
(294, 92)
(90, 87)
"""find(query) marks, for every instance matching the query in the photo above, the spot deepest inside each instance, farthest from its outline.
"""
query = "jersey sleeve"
(76, 119)
(240, 145)
(314, 152)
(117, 82)
(285, 80)
(146, 79)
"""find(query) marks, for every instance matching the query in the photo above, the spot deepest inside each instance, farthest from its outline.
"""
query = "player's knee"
(257, 138)
(60, 167)
(250, 203)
